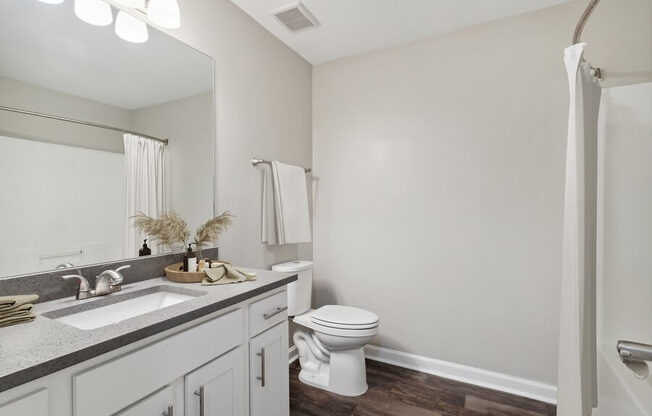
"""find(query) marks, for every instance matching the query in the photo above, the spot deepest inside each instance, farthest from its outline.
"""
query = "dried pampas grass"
(211, 230)
(169, 229)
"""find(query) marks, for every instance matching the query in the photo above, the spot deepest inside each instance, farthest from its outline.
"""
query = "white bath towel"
(291, 203)
(268, 216)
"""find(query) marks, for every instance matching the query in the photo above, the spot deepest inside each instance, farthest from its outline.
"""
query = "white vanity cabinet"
(33, 404)
(268, 374)
(268, 357)
(208, 367)
(161, 402)
(120, 383)
(217, 388)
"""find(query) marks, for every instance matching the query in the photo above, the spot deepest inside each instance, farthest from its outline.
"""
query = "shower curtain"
(146, 185)
(577, 380)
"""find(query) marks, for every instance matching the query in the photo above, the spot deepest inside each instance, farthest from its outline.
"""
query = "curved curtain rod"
(82, 122)
(577, 34)
(583, 18)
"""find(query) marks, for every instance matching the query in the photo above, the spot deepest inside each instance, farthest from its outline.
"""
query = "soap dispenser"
(190, 260)
(144, 250)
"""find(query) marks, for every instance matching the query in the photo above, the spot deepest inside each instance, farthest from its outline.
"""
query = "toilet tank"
(299, 292)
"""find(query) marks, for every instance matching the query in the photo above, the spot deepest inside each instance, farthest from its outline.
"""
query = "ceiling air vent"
(295, 17)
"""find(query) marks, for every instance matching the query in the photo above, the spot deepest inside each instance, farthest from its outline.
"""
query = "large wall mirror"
(93, 129)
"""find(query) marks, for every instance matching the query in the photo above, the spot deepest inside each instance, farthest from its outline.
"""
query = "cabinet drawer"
(35, 404)
(267, 312)
(156, 404)
(113, 386)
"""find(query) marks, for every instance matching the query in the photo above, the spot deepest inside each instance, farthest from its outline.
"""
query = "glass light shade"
(94, 12)
(164, 13)
(135, 4)
(51, 1)
(130, 29)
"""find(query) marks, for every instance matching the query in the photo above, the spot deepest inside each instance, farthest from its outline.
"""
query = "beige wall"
(263, 101)
(439, 183)
(25, 96)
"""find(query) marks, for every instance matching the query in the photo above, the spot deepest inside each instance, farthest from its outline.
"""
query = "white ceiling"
(349, 27)
(48, 46)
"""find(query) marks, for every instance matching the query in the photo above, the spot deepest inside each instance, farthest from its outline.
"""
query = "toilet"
(331, 339)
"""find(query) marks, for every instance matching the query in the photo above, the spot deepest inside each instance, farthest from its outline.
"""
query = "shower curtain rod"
(82, 122)
(597, 72)
(255, 162)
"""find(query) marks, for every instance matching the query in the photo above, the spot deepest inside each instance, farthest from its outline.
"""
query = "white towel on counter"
(291, 204)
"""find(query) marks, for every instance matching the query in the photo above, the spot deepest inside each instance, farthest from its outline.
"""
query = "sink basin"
(119, 307)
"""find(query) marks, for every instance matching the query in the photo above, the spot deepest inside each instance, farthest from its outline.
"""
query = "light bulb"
(51, 1)
(134, 4)
(94, 12)
(164, 13)
(130, 29)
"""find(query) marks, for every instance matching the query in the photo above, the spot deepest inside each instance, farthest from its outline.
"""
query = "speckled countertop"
(44, 346)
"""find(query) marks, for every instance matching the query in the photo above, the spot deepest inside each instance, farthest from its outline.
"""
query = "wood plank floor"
(395, 391)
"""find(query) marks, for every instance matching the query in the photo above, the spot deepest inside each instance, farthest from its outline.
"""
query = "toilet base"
(345, 374)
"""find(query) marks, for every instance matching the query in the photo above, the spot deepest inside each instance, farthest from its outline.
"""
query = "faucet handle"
(116, 276)
(84, 286)
(126, 266)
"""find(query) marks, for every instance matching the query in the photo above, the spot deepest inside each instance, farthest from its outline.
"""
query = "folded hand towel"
(8, 303)
(17, 311)
(225, 274)
(291, 203)
(13, 320)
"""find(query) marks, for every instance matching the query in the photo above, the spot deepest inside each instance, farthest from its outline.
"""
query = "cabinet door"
(159, 403)
(218, 387)
(35, 404)
(269, 383)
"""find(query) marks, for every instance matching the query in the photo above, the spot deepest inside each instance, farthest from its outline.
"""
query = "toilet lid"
(345, 317)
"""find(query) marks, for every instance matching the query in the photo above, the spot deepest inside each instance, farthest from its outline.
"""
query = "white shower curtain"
(577, 383)
(146, 185)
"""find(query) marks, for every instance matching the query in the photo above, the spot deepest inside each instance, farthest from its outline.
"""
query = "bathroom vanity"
(219, 350)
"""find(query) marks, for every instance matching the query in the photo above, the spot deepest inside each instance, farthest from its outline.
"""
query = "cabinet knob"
(170, 411)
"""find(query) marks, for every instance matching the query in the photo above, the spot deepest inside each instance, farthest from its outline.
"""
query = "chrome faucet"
(109, 281)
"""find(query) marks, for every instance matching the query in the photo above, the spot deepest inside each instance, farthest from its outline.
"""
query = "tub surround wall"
(440, 189)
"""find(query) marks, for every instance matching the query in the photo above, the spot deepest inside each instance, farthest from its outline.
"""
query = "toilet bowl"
(330, 340)
(332, 356)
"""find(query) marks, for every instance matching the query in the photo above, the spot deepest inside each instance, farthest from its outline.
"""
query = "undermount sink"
(119, 307)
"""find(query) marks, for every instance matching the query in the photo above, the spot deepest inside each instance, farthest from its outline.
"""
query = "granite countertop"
(44, 346)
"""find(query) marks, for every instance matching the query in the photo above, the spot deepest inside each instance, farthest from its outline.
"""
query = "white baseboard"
(293, 354)
(476, 376)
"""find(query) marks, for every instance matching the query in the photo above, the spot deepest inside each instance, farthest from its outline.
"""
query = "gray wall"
(439, 171)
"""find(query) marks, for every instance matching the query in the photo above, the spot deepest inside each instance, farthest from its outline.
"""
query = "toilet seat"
(306, 320)
(344, 317)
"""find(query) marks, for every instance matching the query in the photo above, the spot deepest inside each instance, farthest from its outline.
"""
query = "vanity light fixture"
(130, 29)
(94, 12)
(164, 13)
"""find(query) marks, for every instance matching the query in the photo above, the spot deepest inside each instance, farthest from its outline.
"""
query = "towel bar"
(255, 162)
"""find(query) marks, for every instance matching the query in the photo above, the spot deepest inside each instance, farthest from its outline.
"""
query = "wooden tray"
(173, 272)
